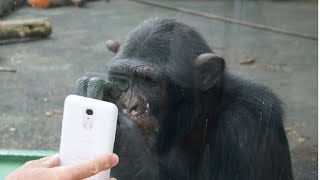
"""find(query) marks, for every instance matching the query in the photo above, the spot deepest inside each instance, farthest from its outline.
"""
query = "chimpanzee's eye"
(150, 81)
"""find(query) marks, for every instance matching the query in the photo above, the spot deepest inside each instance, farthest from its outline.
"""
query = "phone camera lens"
(89, 111)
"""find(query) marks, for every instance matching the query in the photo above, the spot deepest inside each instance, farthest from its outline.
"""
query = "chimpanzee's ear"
(209, 68)
(112, 45)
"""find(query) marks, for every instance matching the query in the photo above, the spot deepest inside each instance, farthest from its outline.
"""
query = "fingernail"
(115, 159)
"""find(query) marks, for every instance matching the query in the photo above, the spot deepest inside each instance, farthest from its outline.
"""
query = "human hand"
(48, 168)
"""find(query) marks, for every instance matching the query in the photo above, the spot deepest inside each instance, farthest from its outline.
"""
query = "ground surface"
(32, 98)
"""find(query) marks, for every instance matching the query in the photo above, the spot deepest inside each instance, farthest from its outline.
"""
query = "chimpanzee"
(182, 115)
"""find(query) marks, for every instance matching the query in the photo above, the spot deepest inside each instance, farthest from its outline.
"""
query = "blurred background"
(272, 42)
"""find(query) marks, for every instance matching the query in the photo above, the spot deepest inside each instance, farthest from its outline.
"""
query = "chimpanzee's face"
(144, 96)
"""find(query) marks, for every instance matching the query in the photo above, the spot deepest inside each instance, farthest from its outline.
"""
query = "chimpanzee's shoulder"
(250, 96)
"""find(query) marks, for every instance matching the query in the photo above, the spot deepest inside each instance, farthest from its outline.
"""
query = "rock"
(48, 114)
(57, 111)
(7, 69)
(277, 68)
(25, 28)
(301, 139)
(12, 129)
(246, 60)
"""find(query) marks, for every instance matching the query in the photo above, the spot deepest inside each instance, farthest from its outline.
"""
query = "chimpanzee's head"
(163, 68)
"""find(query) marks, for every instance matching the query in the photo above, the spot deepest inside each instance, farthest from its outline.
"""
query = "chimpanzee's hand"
(137, 161)
(94, 86)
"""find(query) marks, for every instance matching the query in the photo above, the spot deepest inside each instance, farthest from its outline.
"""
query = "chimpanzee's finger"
(95, 88)
(81, 86)
(111, 91)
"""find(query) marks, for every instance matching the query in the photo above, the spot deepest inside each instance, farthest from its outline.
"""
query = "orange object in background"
(39, 3)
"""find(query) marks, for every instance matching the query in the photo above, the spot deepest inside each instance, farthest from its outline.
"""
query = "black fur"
(231, 131)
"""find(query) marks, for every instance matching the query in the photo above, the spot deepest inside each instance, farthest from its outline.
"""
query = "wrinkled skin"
(182, 116)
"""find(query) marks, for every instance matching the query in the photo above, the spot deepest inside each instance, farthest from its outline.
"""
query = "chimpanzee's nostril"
(131, 104)
(133, 109)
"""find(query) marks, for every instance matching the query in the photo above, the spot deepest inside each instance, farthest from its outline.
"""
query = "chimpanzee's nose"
(131, 105)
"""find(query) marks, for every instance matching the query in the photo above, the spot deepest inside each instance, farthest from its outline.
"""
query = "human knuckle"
(93, 167)
(16, 176)
(29, 163)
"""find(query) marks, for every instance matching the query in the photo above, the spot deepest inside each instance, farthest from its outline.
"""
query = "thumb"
(88, 168)
(52, 161)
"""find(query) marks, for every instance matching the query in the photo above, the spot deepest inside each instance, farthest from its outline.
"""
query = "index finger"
(87, 168)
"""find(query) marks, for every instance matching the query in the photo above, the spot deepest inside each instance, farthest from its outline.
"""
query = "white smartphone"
(88, 130)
